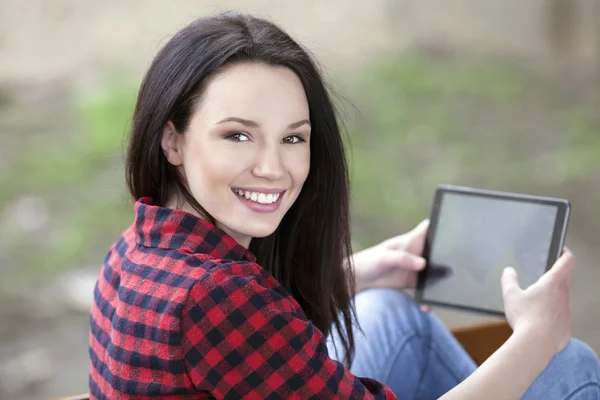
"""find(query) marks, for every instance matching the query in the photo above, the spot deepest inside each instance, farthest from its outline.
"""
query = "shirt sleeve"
(243, 336)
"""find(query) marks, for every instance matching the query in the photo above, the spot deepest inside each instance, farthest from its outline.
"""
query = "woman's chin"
(244, 230)
(259, 232)
(259, 229)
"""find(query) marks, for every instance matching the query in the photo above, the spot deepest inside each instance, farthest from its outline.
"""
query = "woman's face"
(246, 153)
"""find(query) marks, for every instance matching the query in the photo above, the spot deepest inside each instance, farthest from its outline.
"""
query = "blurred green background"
(418, 113)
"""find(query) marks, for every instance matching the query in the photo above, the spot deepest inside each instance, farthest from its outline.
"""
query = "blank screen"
(476, 238)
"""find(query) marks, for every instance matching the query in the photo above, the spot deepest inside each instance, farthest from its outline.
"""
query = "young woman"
(236, 277)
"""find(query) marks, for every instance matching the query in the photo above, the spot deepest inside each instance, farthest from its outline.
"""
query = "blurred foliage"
(80, 174)
(57, 160)
(420, 122)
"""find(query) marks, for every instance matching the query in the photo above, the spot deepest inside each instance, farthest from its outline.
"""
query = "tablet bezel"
(557, 243)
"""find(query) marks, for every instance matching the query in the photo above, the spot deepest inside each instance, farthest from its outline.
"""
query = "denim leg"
(573, 374)
(409, 350)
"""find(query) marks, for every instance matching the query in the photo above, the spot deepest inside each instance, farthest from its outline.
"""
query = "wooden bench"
(483, 339)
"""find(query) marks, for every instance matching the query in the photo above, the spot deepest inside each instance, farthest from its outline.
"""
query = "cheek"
(298, 163)
(206, 170)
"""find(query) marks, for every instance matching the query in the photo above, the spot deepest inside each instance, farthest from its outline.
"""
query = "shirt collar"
(168, 228)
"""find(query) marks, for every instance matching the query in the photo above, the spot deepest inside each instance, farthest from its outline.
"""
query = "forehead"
(254, 91)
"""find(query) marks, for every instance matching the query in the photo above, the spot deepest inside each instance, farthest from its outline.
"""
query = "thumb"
(510, 281)
(416, 237)
(421, 228)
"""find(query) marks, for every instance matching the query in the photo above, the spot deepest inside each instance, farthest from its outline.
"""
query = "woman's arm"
(509, 372)
(541, 320)
(243, 336)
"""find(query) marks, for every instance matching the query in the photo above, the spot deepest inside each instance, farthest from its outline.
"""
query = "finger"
(403, 242)
(425, 308)
(408, 281)
(510, 281)
(572, 261)
(417, 236)
(563, 267)
(421, 228)
(399, 279)
(403, 260)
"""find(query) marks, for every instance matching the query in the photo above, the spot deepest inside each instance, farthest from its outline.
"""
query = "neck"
(181, 204)
(178, 203)
(242, 240)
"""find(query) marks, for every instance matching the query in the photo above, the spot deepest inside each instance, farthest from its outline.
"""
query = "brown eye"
(293, 139)
(237, 137)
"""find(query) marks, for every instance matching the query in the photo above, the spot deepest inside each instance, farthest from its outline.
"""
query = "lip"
(259, 207)
(259, 190)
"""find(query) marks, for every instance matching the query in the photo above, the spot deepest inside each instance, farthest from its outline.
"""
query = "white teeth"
(262, 198)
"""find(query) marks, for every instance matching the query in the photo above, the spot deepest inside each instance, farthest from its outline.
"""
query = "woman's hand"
(394, 263)
(544, 306)
(541, 320)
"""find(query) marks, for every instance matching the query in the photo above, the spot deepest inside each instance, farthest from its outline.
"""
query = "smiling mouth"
(258, 197)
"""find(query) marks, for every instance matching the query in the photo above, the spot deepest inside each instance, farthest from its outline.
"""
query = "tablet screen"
(476, 237)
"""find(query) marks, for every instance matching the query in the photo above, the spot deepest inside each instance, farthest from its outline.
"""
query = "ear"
(172, 144)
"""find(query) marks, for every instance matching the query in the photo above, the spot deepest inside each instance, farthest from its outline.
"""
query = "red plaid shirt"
(182, 311)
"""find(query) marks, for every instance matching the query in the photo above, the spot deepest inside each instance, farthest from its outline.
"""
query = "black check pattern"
(181, 310)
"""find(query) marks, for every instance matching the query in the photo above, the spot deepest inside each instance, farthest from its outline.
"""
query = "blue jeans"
(418, 358)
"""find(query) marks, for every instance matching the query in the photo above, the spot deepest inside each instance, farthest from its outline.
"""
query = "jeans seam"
(426, 341)
(387, 370)
(447, 363)
(429, 340)
(582, 387)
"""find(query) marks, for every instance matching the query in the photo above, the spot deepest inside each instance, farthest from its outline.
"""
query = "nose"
(269, 164)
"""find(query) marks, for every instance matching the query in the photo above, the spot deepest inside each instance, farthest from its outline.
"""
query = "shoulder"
(203, 271)
(238, 286)
(174, 267)
(230, 277)
(173, 273)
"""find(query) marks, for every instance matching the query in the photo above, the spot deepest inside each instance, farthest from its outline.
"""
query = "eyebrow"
(254, 124)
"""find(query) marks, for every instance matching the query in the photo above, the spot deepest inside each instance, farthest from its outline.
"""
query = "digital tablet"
(474, 234)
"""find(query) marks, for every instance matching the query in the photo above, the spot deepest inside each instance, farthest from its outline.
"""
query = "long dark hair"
(308, 252)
